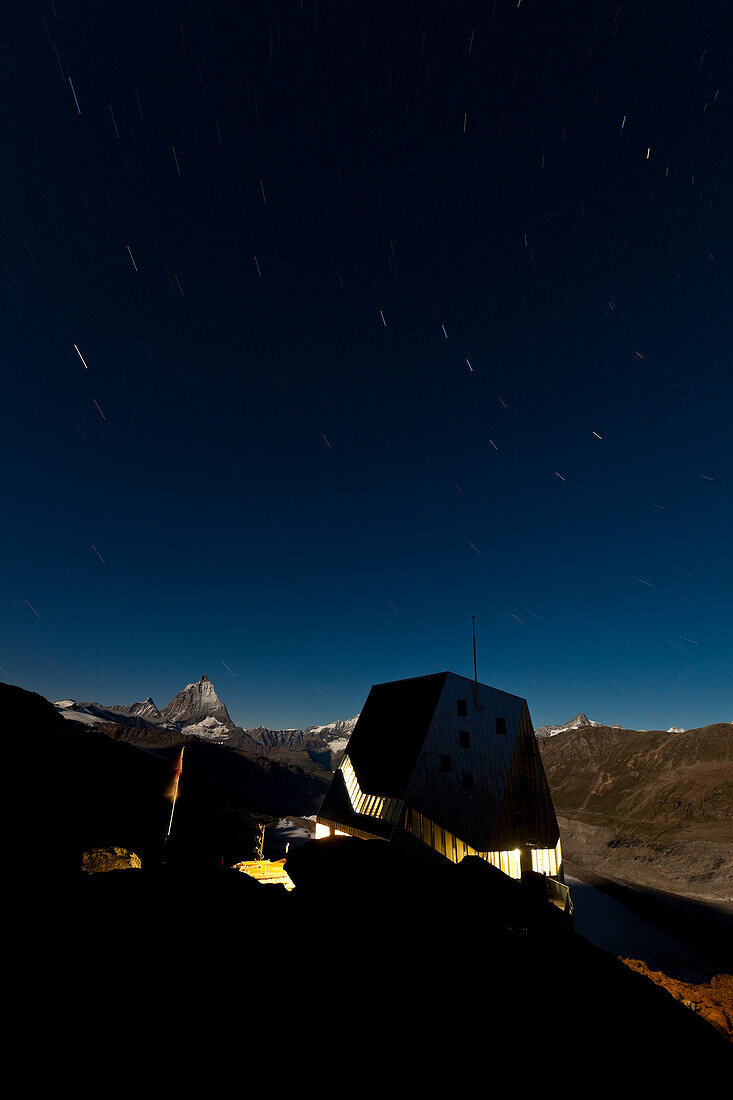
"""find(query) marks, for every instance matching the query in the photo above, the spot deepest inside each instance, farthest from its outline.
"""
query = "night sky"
(327, 326)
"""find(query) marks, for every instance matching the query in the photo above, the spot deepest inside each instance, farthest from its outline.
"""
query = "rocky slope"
(146, 709)
(197, 703)
(651, 808)
(312, 737)
(713, 999)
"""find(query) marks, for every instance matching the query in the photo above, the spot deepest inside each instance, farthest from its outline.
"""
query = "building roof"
(394, 719)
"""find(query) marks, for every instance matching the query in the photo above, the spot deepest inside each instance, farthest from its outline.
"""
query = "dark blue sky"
(327, 326)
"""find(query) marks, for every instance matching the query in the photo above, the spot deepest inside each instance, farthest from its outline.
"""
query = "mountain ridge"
(197, 711)
(580, 720)
(651, 808)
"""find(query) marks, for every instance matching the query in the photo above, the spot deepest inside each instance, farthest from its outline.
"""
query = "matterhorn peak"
(195, 703)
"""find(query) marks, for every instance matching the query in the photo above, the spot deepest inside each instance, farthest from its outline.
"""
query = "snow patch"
(208, 729)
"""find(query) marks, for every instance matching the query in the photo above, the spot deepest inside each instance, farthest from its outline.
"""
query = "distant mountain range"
(581, 721)
(578, 722)
(197, 711)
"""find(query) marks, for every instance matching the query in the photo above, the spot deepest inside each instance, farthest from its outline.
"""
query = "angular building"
(446, 766)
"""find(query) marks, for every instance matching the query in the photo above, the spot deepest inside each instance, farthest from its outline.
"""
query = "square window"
(446, 764)
(461, 708)
(500, 725)
(464, 739)
(467, 781)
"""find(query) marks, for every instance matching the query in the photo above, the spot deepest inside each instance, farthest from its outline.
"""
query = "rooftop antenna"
(473, 628)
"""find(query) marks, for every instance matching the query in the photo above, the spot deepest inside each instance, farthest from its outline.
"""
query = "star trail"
(317, 311)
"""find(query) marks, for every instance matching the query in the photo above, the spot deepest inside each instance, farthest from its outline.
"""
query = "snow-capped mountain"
(332, 737)
(582, 720)
(574, 724)
(335, 734)
(197, 711)
(146, 709)
(89, 714)
(193, 706)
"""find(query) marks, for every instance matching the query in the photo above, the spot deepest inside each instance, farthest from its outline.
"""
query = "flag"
(177, 772)
(178, 766)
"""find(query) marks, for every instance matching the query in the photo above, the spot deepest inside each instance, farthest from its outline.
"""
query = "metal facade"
(460, 753)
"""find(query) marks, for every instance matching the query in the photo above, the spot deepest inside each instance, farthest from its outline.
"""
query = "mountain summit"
(146, 709)
(195, 705)
(574, 724)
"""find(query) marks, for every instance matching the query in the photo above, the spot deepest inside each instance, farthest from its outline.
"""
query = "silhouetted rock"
(98, 860)
(390, 974)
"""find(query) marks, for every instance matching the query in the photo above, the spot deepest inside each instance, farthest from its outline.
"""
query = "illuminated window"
(508, 862)
(461, 708)
(373, 805)
(547, 860)
(446, 764)
(464, 739)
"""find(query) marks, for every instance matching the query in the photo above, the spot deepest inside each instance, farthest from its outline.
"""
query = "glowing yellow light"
(268, 872)
(547, 861)
(373, 805)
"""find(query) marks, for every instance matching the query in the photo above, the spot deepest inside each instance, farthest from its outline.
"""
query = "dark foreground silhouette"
(379, 975)
(375, 976)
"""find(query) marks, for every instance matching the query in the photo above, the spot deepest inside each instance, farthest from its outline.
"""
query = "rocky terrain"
(713, 999)
(651, 808)
(195, 704)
